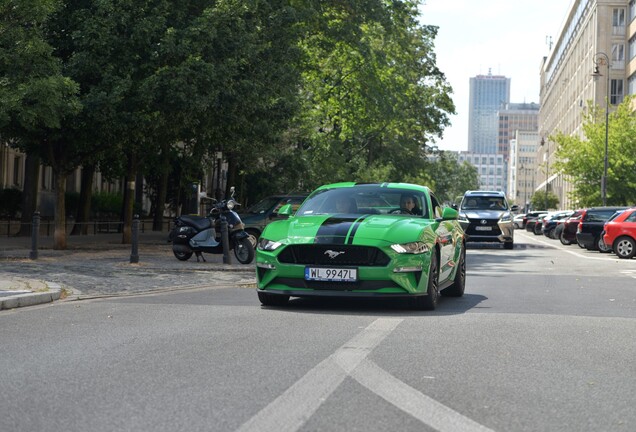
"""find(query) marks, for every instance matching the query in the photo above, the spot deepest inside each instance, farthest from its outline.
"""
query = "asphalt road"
(543, 340)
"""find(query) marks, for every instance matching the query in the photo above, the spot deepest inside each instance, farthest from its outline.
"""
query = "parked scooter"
(198, 234)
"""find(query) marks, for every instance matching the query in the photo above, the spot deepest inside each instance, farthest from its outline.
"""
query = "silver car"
(487, 217)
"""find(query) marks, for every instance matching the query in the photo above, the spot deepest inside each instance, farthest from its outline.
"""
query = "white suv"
(486, 217)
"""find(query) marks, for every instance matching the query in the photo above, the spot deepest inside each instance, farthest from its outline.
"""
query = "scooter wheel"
(244, 251)
(182, 256)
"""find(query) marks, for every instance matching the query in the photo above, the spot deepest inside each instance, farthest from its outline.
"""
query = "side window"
(437, 209)
(631, 217)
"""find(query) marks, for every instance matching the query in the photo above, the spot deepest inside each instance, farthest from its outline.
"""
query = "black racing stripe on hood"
(334, 230)
(356, 225)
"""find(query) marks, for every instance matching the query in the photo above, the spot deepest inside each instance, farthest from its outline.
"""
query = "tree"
(541, 200)
(582, 159)
(35, 95)
(373, 97)
(450, 179)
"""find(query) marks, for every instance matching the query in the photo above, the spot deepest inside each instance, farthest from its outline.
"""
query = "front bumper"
(492, 231)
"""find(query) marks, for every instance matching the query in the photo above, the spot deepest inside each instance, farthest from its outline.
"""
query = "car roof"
(483, 193)
(387, 185)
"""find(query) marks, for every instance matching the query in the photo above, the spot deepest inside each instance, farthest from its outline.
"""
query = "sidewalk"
(99, 265)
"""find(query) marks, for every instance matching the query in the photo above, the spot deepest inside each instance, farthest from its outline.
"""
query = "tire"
(244, 250)
(537, 229)
(272, 299)
(624, 247)
(564, 241)
(550, 233)
(459, 284)
(182, 256)
(429, 301)
(509, 245)
(601, 246)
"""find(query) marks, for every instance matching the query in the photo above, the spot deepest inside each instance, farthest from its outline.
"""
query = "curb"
(31, 298)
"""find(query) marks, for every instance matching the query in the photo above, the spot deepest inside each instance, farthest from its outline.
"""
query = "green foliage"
(10, 203)
(450, 179)
(582, 160)
(538, 200)
(106, 205)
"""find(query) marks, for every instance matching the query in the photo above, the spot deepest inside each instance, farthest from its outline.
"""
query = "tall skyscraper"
(488, 93)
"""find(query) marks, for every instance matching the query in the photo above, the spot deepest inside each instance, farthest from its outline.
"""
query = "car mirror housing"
(449, 213)
(285, 210)
(514, 208)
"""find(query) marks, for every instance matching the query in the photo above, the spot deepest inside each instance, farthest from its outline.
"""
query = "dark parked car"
(570, 225)
(588, 233)
(550, 222)
(533, 220)
(257, 216)
(531, 216)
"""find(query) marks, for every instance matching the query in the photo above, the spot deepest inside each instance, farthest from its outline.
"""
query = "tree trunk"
(29, 193)
(59, 235)
(84, 206)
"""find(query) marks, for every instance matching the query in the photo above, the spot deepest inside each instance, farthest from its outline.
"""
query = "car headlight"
(411, 248)
(268, 245)
(462, 218)
(506, 217)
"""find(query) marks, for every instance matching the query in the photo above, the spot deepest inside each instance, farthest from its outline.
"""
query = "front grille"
(340, 255)
(493, 223)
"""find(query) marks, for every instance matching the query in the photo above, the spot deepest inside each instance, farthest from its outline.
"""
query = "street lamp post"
(600, 58)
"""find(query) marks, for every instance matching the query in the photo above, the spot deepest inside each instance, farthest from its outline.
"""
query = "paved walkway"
(99, 265)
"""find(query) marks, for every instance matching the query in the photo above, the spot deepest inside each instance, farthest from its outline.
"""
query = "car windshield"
(365, 200)
(263, 205)
(484, 203)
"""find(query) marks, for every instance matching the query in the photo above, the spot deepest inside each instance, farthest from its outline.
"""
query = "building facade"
(488, 93)
(490, 167)
(596, 34)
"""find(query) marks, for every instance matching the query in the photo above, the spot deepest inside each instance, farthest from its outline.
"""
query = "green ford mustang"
(363, 240)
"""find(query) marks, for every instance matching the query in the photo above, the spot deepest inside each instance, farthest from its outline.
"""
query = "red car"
(621, 234)
(567, 234)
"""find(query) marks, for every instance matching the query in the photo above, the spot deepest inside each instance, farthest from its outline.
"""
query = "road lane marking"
(425, 409)
(290, 411)
(553, 246)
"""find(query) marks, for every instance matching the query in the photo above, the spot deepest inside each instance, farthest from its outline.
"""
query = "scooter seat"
(199, 222)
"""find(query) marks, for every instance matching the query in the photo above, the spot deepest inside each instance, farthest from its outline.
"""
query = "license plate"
(483, 228)
(331, 274)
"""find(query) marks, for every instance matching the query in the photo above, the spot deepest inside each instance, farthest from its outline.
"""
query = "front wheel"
(244, 250)
(182, 256)
(429, 301)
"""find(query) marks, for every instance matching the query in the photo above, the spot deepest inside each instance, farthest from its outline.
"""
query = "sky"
(507, 37)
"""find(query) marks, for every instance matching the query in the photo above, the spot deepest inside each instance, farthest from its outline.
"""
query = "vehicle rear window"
(598, 215)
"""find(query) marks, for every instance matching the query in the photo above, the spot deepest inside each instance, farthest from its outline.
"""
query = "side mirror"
(448, 213)
(514, 208)
(232, 189)
(285, 210)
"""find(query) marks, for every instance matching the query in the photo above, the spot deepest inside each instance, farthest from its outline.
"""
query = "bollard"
(134, 255)
(225, 239)
(35, 233)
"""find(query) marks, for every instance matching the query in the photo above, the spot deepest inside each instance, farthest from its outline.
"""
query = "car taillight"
(579, 227)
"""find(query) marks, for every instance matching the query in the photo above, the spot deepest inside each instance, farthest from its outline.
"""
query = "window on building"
(632, 10)
(616, 91)
(618, 56)
(631, 83)
(618, 21)
(632, 48)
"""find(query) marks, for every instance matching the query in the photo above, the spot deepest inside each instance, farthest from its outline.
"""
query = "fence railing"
(9, 228)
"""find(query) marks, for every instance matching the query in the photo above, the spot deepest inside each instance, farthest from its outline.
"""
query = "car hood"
(350, 229)
(483, 214)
